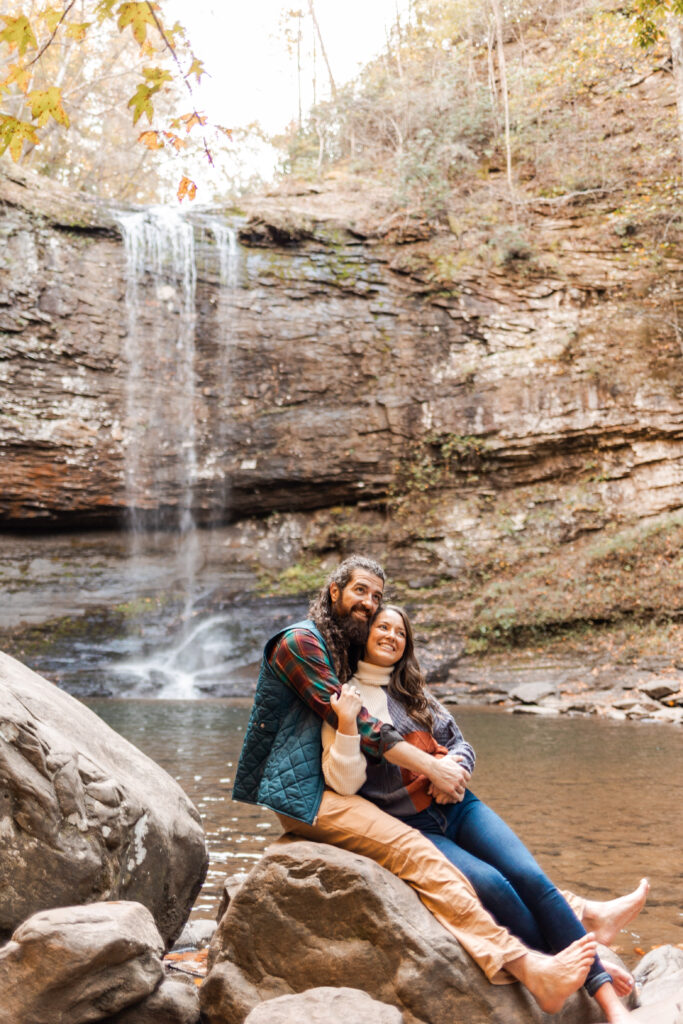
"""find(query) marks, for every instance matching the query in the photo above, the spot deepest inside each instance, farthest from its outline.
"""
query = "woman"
(507, 879)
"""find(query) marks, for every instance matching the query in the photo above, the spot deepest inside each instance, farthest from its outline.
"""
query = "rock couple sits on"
(391, 784)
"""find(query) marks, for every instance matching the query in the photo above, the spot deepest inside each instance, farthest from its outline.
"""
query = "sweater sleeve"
(344, 766)
(446, 732)
(302, 663)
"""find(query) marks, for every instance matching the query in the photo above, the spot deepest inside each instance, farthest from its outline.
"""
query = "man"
(280, 767)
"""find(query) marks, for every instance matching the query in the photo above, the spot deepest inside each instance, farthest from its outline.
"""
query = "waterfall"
(161, 458)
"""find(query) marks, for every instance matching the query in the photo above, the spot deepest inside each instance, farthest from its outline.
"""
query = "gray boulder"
(86, 816)
(78, 964)
(312, 915)
(325, 1006)
(175, 1001)
(660, 975)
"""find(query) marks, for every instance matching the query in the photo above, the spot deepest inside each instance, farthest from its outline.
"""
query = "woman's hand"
(347, 705)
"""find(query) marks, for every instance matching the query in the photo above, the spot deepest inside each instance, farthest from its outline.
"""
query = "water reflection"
(598, 802)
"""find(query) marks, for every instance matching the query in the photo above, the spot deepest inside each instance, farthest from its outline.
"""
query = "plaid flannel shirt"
(303, 664)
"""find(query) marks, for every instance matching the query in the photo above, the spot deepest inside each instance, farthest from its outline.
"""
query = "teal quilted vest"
(280, 765)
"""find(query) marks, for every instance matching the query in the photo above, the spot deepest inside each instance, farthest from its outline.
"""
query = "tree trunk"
(674, 29)
(504, 91)
(333, 87)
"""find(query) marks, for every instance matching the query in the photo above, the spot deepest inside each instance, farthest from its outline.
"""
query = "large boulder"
(77, 964)
(659, 976)
(313, 915)
(175, 1001)
(84, 815)
(325, 1006)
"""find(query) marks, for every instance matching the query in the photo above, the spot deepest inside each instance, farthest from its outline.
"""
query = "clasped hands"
(448, 780)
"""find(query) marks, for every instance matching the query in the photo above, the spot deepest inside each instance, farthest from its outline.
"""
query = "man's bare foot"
(621, 979)
(552, 979)
(606, 919)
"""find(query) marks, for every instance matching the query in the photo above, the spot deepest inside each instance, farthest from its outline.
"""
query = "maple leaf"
(18, 32)
(51, 16)
(157, 76)
(186, 188)
(138, 16)
(20, 75)
(46, 103)
(142, 103)
(151, 139)
(105, 8)
(175, 141)
(13, 134)
(190, 120)
(197, 69)
(78, 30)
(226, 131)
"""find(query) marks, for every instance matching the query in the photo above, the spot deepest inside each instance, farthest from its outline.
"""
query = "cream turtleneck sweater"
(344, 766)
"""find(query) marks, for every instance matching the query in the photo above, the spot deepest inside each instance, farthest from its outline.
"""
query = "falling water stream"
(161, 459)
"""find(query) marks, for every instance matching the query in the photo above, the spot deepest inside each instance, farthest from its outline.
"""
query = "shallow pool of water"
(598, 802)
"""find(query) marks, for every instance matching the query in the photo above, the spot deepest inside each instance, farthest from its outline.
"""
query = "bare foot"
(606, 919)
(622, 981)
(552, 979)
(615, 1013)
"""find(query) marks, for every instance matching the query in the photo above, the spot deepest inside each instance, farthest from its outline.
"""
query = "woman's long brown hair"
(407, 683)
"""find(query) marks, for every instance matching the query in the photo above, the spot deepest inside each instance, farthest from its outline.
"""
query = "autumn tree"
(112, 73)
(657, 19)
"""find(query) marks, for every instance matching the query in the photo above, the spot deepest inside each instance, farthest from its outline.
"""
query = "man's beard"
(354, 630)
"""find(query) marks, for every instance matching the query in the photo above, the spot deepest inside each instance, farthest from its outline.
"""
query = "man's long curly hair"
(344, 656)
(407, 682)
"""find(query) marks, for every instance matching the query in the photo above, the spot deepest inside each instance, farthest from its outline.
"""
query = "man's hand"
(456, 782)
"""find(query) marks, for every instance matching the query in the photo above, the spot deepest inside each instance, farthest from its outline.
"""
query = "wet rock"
(313, 915)
(87, 816)
(659, 688)
(532, 693)
(325, 1006)
(175, 1001)
(79, 964)
(195, 935)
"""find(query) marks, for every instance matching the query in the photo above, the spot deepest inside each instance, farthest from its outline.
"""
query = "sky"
(253, 77)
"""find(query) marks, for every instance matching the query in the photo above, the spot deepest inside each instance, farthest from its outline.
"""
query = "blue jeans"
(505, 876)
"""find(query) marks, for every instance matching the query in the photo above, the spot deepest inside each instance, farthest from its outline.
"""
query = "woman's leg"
(356, 824)
(476, 830)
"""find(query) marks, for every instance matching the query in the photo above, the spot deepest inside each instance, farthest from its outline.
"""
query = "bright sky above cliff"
(244, 50)
(253, 77)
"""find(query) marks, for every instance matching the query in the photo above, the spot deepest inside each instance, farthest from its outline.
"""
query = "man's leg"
(356, 824)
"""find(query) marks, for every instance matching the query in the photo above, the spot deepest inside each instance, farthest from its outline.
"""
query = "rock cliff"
(471, 418)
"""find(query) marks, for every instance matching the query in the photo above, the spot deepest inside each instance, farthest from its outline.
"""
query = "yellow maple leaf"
(18, 33)
(46, 103)
(186, 188)
(78, 30)
(20, 75)
(138, 16)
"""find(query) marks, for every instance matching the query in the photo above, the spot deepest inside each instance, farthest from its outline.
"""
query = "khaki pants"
(356, 824)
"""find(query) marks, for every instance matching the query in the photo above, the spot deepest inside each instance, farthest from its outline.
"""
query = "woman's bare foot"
(552, 979)
(621, 979)
(607, 919)
(607, 1000)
